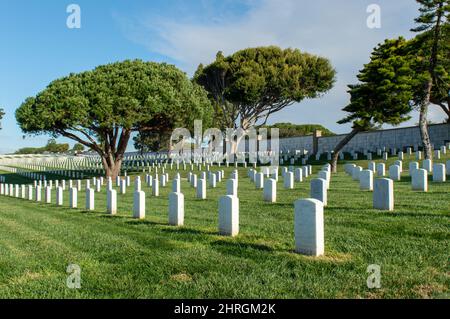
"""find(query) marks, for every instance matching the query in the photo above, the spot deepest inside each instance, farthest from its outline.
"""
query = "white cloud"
(334, 29)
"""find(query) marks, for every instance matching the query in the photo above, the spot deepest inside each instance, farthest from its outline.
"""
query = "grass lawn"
(125, 258)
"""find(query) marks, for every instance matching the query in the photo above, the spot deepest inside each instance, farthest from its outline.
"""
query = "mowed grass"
(125, 258)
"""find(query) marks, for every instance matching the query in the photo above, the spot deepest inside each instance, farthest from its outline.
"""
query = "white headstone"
(59, 196)
(201, 189)
(419, 180)
(228, 215)
(111, 202)
(439, 173)
(48, 195)
(383, 194)
(176, 209)
(394, 172)
(139, 205)
(428, 165)
(73, 197)
(270, 190)
(232, 187)
(309, 227)
(288, 180)
(90, 199)
(366, 180)
(381, 167)
(319, 190)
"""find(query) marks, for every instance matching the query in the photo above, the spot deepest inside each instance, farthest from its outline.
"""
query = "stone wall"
(398, 138)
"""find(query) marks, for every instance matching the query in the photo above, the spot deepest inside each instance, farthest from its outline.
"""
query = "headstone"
(139, 205)
(270, 190)
(428, 165)
(48, 195)
(298, 175)
(439, 173)
(123, 187)
(201, 189)
(212, 181)
(355, 172)
(176, 188)
(111, 202)
(155, 187)
(176, 209)
(383, 194)
(309, 227)
(366, 180)
(259, 180)
(319, 190)
(288, 180)
(394, 172)
(412, 167)
(399, 164)
(59, 196)
(90, 199)
(419, 180)
(380, 169)
(73, 197)
(228, 215)
(37, 194)
(232, 187)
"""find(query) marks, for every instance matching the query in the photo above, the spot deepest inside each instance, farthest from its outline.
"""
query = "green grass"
(125, 258)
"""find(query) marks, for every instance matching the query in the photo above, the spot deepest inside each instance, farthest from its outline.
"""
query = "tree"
(2, 113)
(78, 147)
(101, 108)
(434, 14)
(254, 83)
(384, 93)
(51, 147)
(290, 130)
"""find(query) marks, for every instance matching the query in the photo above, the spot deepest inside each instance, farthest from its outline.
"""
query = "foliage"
(254, 83)
(291, 130)
(51, 147)
(78, 147)
(385, 89)
(2, 113)
(101, 108)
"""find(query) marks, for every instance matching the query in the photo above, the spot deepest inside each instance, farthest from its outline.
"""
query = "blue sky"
(37, 47)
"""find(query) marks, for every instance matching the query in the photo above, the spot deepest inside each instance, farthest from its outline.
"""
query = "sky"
(38, 47)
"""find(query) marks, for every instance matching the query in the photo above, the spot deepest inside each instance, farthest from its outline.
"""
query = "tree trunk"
(340, 146)
(112, 167)
(423, 124)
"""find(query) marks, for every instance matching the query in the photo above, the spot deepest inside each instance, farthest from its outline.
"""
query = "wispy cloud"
(334, 29)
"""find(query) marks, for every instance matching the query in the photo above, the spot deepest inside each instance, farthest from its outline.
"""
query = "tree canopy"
(254, 83)
(431, 25)
(78, 147)
(2, 113)
(51, 147)
(291, 130)
(384, 92)
(101, 108)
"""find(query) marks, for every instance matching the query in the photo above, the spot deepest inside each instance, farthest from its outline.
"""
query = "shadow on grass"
(240, 249)
(188, 231)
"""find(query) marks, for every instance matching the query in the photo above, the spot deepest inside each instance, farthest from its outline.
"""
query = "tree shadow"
(189, 231)
(240, 249)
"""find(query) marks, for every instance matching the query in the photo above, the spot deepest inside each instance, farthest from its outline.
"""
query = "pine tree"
(433, 20)
(383, 94)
